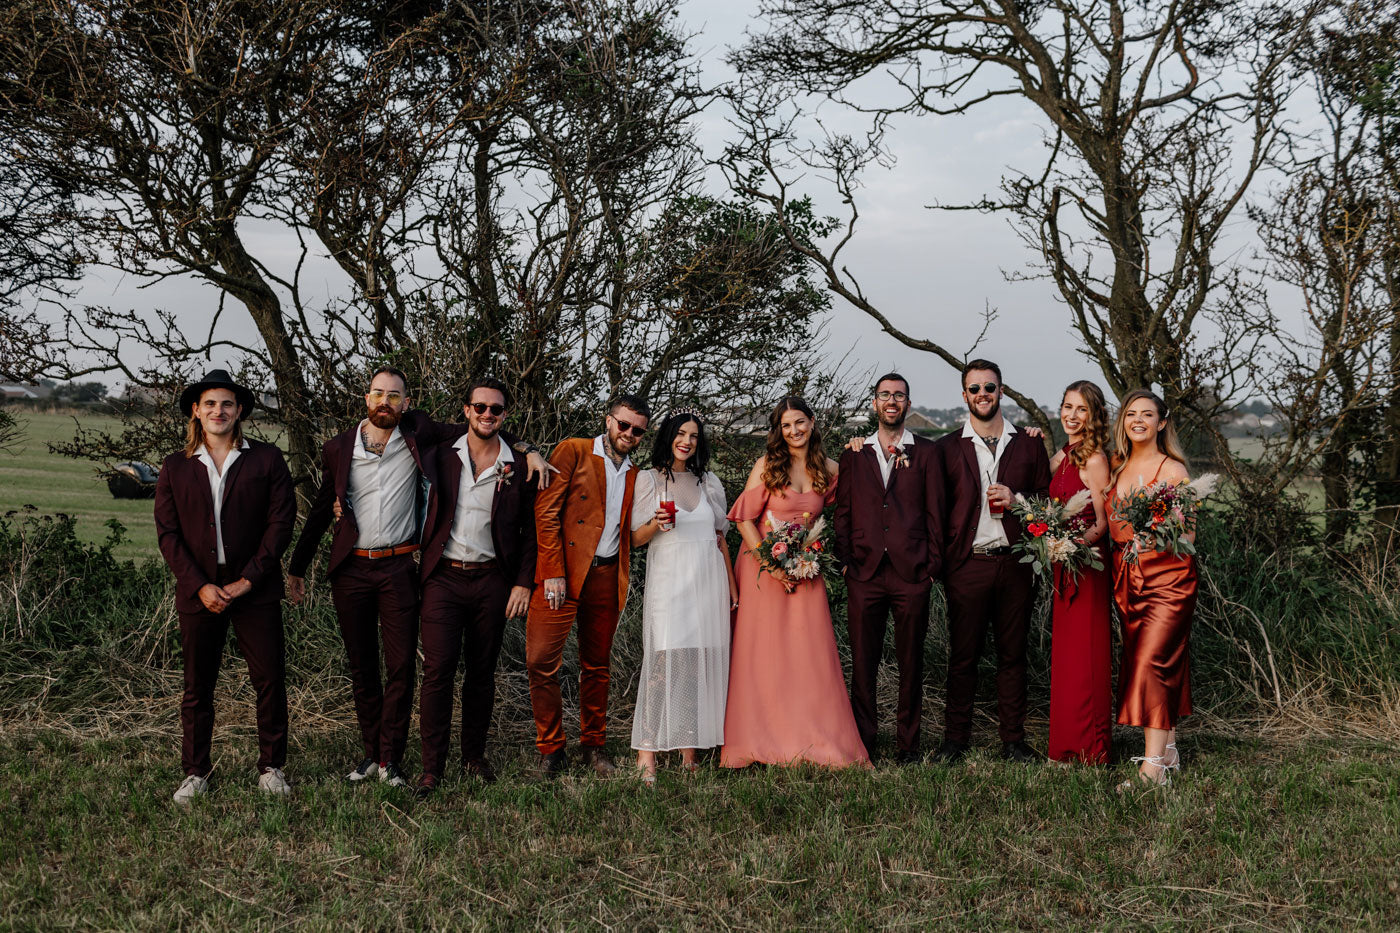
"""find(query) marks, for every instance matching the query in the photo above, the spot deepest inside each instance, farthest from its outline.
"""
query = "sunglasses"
(985, 387)
(637, 431)
(482, 408)
(886, 396)
(377, 395)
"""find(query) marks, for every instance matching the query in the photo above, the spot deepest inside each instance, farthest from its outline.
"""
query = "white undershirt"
(612, 511)
(886, 461)
(216, 490)
(470, 537)
(383, 492)
(990, 533)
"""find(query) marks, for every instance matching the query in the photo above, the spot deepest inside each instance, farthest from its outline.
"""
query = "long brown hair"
(1167, 442)
(194, 435)
(1096, 431)
(779, 459)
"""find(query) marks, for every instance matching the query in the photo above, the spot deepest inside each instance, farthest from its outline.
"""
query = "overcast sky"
(931, 272)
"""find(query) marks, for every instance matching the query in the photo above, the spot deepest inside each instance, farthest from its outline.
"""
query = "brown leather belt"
(375, 553)
(473, 566)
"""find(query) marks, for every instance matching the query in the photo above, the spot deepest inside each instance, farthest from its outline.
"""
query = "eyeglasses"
(637, 431)
(378, 395)
(985, 387)
(481, 408)
(886, 395)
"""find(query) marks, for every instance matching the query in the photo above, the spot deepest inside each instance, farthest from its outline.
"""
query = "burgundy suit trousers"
(996, 592)
(869, 604)
(373, 597)
(463, 616)
(258, 629)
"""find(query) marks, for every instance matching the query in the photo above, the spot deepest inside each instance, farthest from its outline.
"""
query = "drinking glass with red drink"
(994, 507)
(669, 507)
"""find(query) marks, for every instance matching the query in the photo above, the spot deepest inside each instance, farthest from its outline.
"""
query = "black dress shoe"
(1019, 752)
(598, 760)
(426, 786)
(950, 752)
(911, 757)
(480, 768)
(554, 764)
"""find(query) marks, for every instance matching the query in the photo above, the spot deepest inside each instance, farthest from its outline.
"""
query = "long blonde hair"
(779, 459)
(194, 435)
(1167, 442)
(1096, 431)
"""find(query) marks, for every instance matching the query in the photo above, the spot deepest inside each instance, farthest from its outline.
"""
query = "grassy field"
(51, 483)
(1252, 836)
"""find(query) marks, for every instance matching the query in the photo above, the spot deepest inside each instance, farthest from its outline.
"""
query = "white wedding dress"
(685, 617)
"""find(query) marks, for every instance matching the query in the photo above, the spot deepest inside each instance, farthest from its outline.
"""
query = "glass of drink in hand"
(994, 506)
(669, 507)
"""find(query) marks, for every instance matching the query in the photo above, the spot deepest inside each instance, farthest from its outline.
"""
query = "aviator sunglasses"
(975, 388)
(481, 408)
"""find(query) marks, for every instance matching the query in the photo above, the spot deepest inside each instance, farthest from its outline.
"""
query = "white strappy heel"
(1163, 778)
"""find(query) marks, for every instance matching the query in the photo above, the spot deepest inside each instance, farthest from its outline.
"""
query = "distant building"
(15, 391)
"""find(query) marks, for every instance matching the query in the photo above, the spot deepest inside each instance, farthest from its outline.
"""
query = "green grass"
(1250, 835)
(52, 483)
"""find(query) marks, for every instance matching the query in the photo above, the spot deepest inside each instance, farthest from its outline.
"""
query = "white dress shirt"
(989, 530)
(612, 510)
(216, 489)
(470, 537)
(886, 461)
(383, 492)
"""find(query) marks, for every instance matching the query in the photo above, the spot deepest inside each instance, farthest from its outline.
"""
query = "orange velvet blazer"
(569, 518)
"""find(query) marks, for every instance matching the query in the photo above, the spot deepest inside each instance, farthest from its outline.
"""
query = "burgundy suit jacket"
(258, 513)
(900, 520)
(512, 516)
(419, 432)
(1024, 467)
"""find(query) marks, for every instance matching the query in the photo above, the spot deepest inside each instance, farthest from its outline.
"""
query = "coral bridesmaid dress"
(1156, 598)
(1081, 656)
(787, 694)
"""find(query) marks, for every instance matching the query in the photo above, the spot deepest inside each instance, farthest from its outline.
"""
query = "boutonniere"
(897, 453)
(503, 476)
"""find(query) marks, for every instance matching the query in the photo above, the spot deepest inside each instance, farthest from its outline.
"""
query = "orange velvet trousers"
(595, 612)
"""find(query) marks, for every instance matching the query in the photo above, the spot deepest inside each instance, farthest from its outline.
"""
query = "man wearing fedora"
(373, 487)
(224, 512)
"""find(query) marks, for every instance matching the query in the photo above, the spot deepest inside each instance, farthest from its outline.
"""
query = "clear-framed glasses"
(379, 395)
(885, 395)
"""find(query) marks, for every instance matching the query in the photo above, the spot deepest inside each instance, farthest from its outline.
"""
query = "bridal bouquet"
(1162, 515)
(1053, 534)
(794, 548)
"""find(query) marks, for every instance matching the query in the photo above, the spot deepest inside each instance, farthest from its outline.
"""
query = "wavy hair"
(1167, 442)
(1096, 431)
(779, 459)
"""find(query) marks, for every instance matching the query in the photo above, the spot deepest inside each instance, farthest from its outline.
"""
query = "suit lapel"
(970, 458)
(199, 478)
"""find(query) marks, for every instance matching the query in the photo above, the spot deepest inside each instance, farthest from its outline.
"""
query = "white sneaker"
(363, 771)
(191, 787)
(390, 774)
(273, 781)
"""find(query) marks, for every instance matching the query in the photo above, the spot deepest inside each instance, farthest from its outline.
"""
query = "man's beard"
(883, 418)
(385, 418)
(487, 435)
(991, 415)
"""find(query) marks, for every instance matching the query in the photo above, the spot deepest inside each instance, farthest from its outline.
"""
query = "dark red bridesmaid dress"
(1081, 677)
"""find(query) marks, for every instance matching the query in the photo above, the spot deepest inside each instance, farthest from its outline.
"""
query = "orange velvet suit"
(569, 521)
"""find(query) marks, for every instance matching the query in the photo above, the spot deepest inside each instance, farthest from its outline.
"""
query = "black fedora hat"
(217, 379)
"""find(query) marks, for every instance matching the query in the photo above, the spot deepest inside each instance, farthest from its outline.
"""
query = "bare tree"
(1156, 119)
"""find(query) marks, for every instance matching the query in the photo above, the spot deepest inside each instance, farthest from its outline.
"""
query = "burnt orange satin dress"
(1156, 598)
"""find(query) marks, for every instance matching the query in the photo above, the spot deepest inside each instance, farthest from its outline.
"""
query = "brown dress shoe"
(427, 786)
(554, 764)
(598, 760)
(479, 768)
